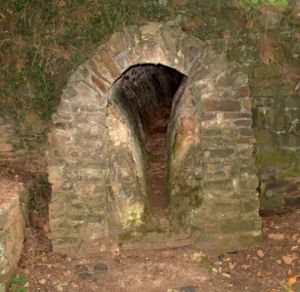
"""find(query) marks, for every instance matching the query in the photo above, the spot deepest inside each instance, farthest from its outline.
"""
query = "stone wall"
(12, 224)
(271, 61)
(20, 155)
(276, 116)
(96, 168)
(266, 46)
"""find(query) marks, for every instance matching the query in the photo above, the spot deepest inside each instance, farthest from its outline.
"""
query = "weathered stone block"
(221, 105)
(266, 91)
(12, 225)
(289, 141)
(246, 132)
(265, 138)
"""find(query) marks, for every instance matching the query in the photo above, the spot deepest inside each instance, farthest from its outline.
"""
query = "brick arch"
(98, 196)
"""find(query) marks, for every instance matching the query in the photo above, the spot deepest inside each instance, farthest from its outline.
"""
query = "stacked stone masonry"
(18, 156)
(276, 116)
(12, 224)
(96, 165)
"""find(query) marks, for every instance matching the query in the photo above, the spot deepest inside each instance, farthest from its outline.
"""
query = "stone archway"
(96, 157)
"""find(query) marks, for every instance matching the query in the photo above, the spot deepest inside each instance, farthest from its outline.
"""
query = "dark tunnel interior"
(146, 91)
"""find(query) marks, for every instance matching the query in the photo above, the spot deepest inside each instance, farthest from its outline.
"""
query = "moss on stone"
(132, 216)
(272, 202)
(250, 240)
(270, 71)
(287, 89)
(285, 161)
(266, 91)
(251, 206)
(265, 138)
(237, 225)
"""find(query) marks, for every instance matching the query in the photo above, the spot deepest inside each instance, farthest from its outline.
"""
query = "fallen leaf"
(292, 280)
(287, 288)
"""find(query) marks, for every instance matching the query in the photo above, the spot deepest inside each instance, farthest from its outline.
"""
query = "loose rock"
(81, 269)
(276, 236)
(101, 267)
(86, 276)
(246, 267)
(188, 289)
(42, 281)
(260, 253)
(288, 259)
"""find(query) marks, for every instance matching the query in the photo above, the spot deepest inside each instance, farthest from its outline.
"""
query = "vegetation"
(254, 4)
(18, 284)
(43, 40)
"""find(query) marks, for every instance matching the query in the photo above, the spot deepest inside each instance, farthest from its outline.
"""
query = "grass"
(44, 40)
(18, 284)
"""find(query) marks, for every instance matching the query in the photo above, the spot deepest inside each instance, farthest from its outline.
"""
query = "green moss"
(275, 119)
(287, 89)
(269, 71)
(265, 138)
(285, 161)
(251, 206)
(226, 244)
(237, 225)
(250, 240)
(272, 202)
(255, 4)
(267, 91)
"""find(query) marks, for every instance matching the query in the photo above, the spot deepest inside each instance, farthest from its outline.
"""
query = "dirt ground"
(273, 265)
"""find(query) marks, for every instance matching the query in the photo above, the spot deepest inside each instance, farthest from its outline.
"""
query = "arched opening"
(126, 128)
(146, 92)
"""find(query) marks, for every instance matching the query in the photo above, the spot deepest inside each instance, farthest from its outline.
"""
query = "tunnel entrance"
(133, 137)
(146, 91)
